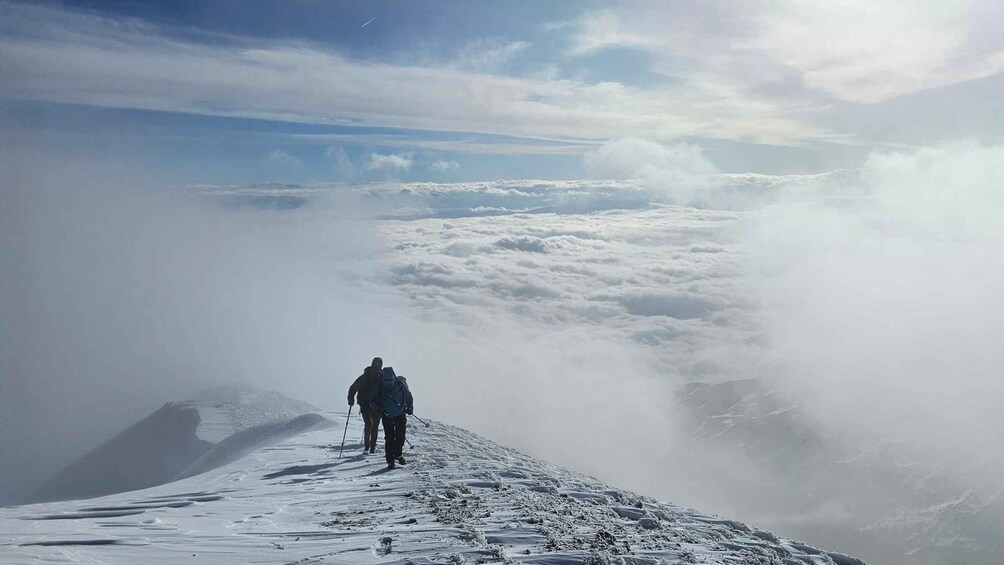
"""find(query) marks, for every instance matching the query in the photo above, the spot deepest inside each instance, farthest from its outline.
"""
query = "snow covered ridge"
(158, 448)
(460, 499)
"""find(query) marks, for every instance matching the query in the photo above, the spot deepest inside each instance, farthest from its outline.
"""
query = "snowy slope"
(159, 447)
(461, 499)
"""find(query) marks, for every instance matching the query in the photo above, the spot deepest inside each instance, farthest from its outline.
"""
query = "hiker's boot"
(390, 465)
(401, 460)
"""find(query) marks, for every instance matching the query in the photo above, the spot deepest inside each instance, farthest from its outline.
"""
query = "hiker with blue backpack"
(393, 400)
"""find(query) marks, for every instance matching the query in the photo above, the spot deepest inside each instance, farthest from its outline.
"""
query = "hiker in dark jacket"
(393, 399)
(363, 389)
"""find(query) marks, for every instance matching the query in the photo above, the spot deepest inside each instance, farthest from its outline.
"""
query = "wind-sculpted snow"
(174, 438)
(245, 441)
(226, 410)
(461, 499)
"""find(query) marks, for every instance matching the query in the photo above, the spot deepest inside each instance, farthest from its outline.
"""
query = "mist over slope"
(865, 297)
(120, 294)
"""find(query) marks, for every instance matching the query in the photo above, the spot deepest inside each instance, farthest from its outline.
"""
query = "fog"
(120, 294)
(877, 298)
(885, 310)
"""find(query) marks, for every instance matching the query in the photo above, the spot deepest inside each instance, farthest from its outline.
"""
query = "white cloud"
(444, 166)
(950, 189)
(868, 52)
(389, 163)
(284, 160)
(677, 172)
(633, 158)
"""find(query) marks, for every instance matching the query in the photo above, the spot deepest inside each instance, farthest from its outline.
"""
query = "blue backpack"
(390, 395)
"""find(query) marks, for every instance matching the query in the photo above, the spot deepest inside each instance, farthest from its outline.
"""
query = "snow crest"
(460, 499)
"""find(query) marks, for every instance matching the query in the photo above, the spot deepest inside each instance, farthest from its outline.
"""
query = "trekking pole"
(420, 420)
(347, 416)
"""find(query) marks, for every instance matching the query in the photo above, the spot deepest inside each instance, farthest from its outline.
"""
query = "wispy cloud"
(487, 55)
(605, 28)
(85, 59)
(776, 73)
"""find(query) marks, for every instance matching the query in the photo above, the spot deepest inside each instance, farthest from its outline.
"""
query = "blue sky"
(264, 91)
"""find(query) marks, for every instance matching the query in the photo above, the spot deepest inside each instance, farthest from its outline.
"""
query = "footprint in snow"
(384, 548)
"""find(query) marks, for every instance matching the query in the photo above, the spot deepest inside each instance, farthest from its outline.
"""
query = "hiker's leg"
(374, 430)
(367, 427)
(402, 425)
(389, 439)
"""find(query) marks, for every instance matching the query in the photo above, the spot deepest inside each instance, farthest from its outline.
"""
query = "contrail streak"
(367, 23)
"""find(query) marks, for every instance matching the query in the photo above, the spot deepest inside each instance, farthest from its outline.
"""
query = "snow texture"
(460, 499)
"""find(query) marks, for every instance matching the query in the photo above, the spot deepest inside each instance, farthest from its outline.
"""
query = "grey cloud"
(431, 274)
(523, 290)
(679, 306)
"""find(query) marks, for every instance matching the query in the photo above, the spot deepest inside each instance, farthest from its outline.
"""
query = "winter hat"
(388, 373)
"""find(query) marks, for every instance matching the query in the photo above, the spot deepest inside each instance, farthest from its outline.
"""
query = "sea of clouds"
(871, 297)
